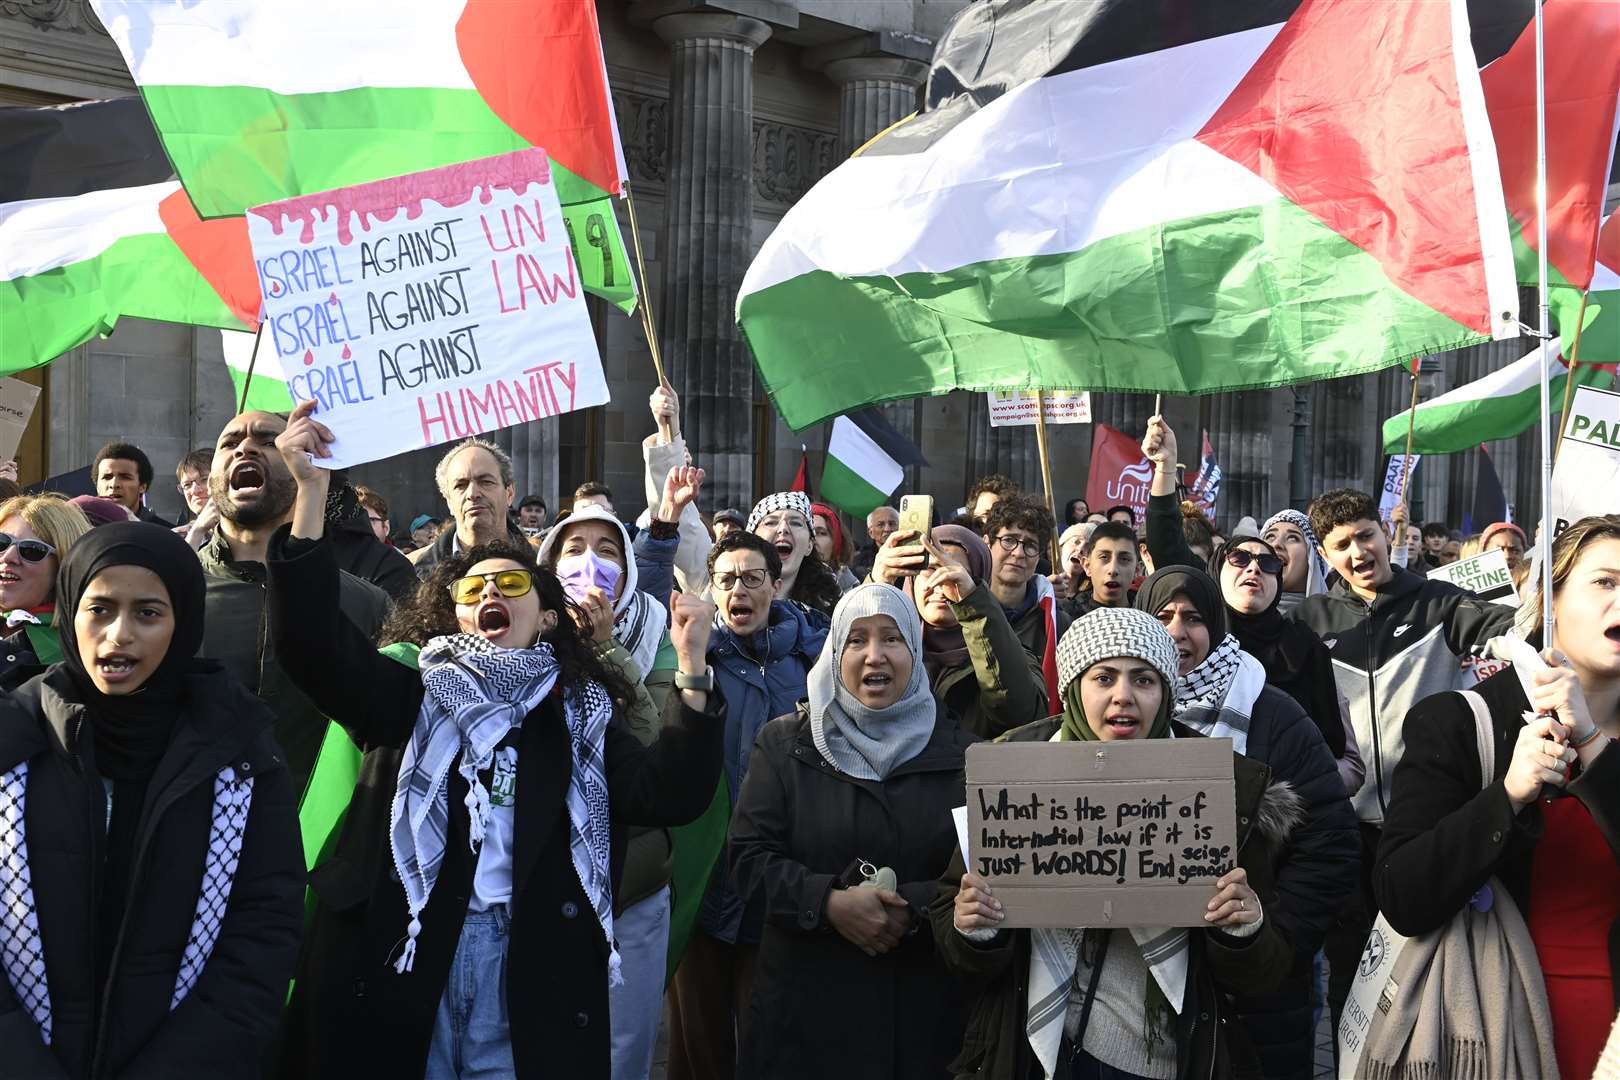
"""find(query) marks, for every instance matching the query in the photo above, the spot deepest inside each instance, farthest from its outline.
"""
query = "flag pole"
(1541, 303)
(1411, 430)
(253, 359)
(1569, 377)
(1046, 474)
(648, 325)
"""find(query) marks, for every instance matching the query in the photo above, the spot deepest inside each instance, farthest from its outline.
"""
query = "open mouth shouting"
(494, 620)
(876, 681)
(116, 667)
(739, 611)
(1364, 569)
(1122, 725)
(247, 477)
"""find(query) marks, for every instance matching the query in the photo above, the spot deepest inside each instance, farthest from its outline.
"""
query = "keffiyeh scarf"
(475, 693)
(1217, 697)
(1316, 579)
(781, 500)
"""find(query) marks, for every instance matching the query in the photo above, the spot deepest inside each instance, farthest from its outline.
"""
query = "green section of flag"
(146, 276)
(848, 490)
(241, 146)
(1257, 297)
(266, 393)
(697, 849)
(1464, 424)
(1600, 340)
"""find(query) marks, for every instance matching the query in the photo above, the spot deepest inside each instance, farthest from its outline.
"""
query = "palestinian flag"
(1600, 340)
(1582, 41)
(94, 226)
(267, 392)
(260, 100)
(1253, 193)
(1503, 404)
(866, 462)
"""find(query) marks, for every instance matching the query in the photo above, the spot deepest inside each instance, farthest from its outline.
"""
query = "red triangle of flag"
(220, 251)
(1353, 114)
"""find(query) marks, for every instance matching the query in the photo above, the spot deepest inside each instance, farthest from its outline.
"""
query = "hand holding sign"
(304, 440)
(1234, 903)
(976, 905)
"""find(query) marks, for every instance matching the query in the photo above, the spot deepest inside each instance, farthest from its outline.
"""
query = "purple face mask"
(579, 572)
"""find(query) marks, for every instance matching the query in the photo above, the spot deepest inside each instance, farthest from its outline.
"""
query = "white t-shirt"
(492, 880)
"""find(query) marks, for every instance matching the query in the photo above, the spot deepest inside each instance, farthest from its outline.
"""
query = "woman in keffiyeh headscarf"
(1305, 572)
(150, 877)
(472, 880)
(1145, 1002)
(846, 809)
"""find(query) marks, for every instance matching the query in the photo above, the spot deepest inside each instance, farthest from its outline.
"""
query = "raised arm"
(664, 451)
(1166, 540)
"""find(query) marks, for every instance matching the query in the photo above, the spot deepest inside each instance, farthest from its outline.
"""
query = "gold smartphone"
(916, 514)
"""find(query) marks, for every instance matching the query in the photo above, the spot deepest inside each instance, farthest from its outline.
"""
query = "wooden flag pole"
(648, 326)
(1411, 429)
(1046, 474)
(253, 359)
(1569, 377)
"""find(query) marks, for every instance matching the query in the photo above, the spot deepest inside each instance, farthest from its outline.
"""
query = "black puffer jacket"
(358, 550)
(126, 1028)
(797, 826)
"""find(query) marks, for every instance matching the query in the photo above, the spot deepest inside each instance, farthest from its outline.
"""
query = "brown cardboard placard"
(1121, 834)
(17, 401)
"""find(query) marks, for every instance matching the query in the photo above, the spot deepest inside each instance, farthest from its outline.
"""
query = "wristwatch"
(704, 682)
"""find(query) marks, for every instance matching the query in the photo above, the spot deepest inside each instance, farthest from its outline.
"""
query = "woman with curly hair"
(471, 881)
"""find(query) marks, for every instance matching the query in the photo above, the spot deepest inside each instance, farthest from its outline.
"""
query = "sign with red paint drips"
(426, 308)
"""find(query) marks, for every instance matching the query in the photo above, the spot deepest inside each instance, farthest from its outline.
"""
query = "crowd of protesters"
(597, 778)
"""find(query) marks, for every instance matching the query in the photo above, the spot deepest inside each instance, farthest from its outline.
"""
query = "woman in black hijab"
(151, 873)
(1223, 692)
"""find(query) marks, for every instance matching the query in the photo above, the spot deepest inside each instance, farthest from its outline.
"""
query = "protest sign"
(1016, 408)
(1118, 833)
(1120, 474)
(1587, 474)
(428, 307)
(17, 401)
(1394, 481)
(1486, 575)
(1374, 978)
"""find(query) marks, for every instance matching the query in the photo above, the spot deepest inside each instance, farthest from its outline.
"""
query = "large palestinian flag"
(94, 226)
(1600, 341)
(259, 100)
(1582, 42)
(1096, 197)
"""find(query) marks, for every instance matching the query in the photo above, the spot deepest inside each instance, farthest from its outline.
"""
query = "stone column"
(710, 208)
(874, 93)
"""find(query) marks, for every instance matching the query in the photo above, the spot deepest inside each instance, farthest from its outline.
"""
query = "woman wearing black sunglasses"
(464, 923)
(36, 532)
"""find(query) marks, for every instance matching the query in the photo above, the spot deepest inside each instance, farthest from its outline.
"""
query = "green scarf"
(1161, 1019)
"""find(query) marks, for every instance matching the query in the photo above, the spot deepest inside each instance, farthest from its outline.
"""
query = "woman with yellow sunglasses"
(472, 881)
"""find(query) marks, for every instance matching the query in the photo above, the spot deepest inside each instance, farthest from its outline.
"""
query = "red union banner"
(1120, 475)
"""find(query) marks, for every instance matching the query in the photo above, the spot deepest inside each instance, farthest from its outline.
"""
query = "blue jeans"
(472, 1039)
(637, 1006)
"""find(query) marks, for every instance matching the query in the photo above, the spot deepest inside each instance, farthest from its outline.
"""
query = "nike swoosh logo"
(1399, 630)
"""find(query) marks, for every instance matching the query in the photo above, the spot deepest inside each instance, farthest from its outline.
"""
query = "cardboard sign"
(1016, 408)
(1128, 833)
(1586, 478)
(1393, 480)
(1485, 575)
(429, 307)
(17, 401)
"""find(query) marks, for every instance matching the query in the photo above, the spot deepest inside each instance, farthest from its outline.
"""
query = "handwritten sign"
(1102, 833)
(1587, 475)
(17, 401)
(1016, 408)
(1485, 575)
(428, 307)
(1393, 480)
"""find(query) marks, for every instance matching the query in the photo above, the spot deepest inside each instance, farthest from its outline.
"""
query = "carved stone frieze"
(72, 16)
(788, 160)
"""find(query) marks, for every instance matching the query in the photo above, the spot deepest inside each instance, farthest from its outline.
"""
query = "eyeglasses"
(751, 579)
(1241, 557)
(509, 583)
(30, 550)
(186, 485)
(1010, 544)
(375, 520)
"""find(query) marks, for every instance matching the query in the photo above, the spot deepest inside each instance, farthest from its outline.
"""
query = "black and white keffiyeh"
(781, 500)
(1217, 697)
(476, 693)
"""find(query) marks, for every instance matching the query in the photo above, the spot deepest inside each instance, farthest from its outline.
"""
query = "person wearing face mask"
(1545, 825)
(979, 670)
(862, 776)
(153, 875)
(1125, 1016)
(783, 520)
(1222, 691)
(36, 533)
(1305, 572)
(588, 552)
(464, 923)
(761, 653)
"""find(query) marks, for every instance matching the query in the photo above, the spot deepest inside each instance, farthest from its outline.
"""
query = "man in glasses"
(760, 654)
(1019, 530)
(249, 484)
(201, 515)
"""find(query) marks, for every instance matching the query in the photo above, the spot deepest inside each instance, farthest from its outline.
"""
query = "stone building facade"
(729, 111)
